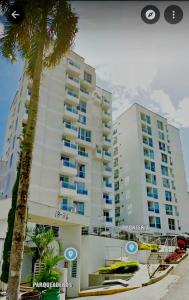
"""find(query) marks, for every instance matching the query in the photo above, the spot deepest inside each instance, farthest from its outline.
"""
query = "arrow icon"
(15, 14)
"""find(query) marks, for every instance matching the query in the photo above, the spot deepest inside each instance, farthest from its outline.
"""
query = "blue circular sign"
(131, 247)
(70, 254)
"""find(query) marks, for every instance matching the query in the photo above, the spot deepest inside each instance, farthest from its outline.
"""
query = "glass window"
(117, 198)
(164, 171)
(168, 196)
(171, 223)
(169, 209)
(82, 119)
(87, 77)
(160, 125)
(82, 106)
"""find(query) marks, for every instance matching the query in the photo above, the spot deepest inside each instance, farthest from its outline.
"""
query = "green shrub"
(120, 268)
(152, 247)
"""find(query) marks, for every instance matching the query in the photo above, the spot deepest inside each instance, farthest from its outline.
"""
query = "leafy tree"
(8, 239)
(42, 39)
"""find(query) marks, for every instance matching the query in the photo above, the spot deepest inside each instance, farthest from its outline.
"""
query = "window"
(152, 192)
(169, 149)
(87, 77)
(147, 140)
(147, 129)
(173, 185)
(150, 178)
(82, 119)
(168, 196)
(115, 140)
(82, 106)
(149, 153)
(80, 207)
(84, 134)
(164, 171)
(115, 162)
(116, 188)
(171, 223)
(153, 206)
(117, 198)
(82, 151)
(168, 209)
(117, 212)
(115, 151)
(145, 118)
(161, 135)
(155, 222)
(164, 158)
(160, 125)
(81, 171)
(116, 174)
(150, 165)
(162, 146)
(166, 183)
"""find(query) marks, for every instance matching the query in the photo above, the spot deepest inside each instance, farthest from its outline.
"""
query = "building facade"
(71, 177)
(72, 159)
(149, 176)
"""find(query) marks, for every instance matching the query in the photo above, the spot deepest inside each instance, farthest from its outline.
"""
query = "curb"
(106, 292)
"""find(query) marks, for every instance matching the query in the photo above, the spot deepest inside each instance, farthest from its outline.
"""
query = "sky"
(148, 64)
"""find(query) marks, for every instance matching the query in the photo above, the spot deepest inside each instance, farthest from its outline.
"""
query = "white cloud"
(177, 116)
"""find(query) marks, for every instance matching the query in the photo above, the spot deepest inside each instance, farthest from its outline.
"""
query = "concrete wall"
(94, 252)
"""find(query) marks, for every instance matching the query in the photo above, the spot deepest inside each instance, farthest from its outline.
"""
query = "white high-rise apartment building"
(149, 176)
(72, 159)
(71, 178)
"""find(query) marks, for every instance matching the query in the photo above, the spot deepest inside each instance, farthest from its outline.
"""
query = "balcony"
(70, 113)
(106, 128)
(68, 168)
(69, 148)
(98, 153)
(72, 82)
(97, 99)
(106, 103)
(107, 171)
(106, 142)
(107, 156)
(72, 97)
(70, 130)
(73, 67)
(82, 194)
(85, 142)
(107, 187)
(82, 157)
(106, 116)
(84, 94)
(68, 189)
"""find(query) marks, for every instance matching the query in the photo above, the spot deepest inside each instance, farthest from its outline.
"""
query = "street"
(175, 287)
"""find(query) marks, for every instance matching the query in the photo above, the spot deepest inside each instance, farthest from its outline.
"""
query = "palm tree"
(42, 39)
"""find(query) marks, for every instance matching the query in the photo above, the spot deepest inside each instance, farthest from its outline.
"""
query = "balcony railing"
(73, 79)
(71, 109)
(69, 164)
(82, 191)
(70, 93)
(73, 64)
(70, 145)
(69, 126)
(68, 185)
(82, 153)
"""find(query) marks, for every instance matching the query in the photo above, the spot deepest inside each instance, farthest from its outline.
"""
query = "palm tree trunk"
(17, 250)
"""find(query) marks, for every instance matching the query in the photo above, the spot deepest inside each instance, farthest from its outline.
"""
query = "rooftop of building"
(134, 105)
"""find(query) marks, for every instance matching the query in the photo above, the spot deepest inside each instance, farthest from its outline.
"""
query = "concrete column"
(71, 237)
